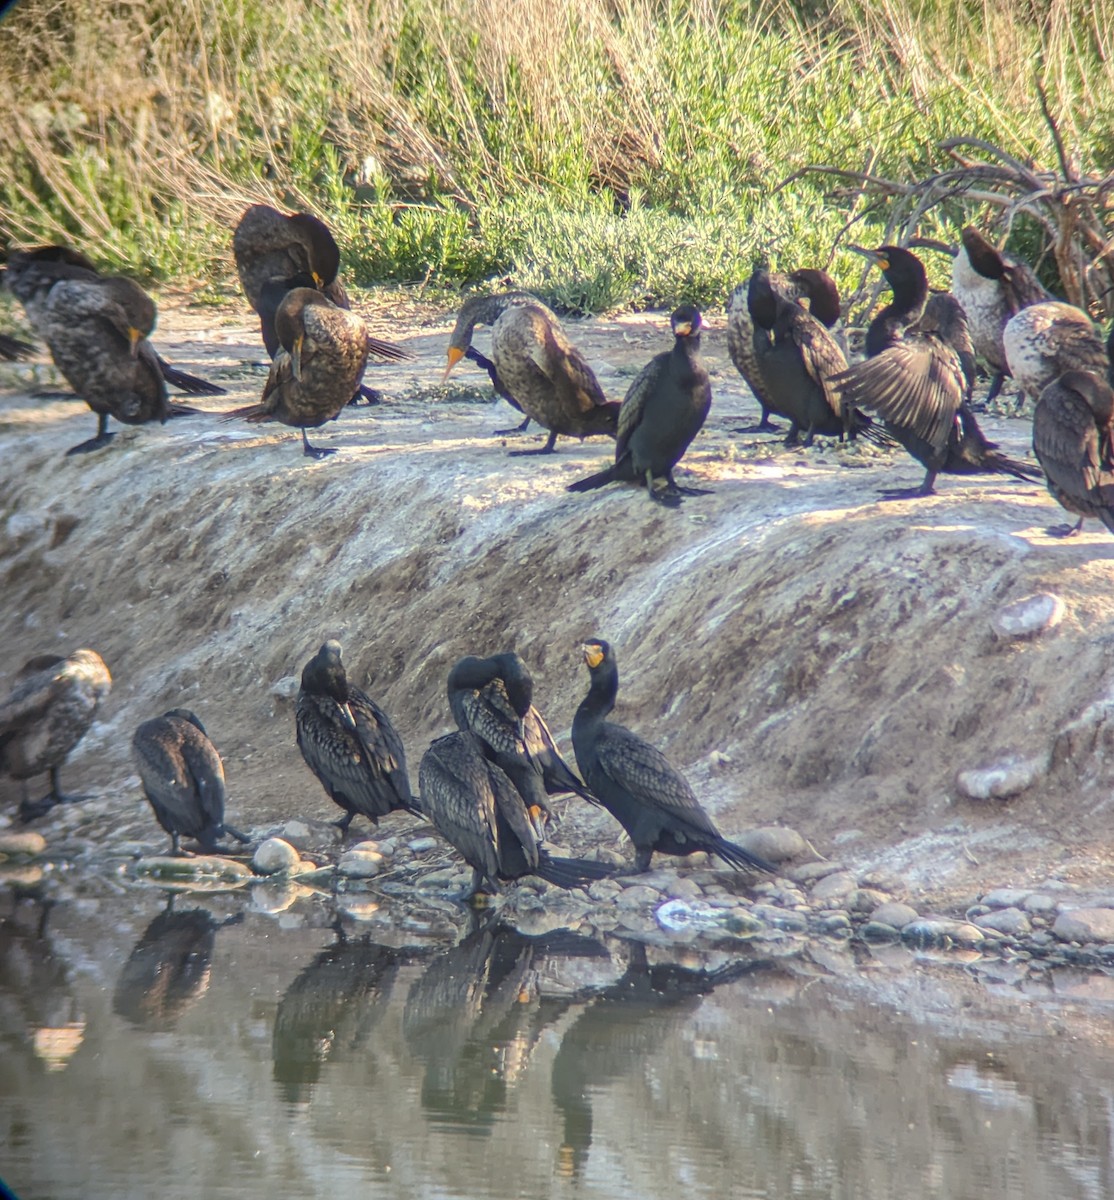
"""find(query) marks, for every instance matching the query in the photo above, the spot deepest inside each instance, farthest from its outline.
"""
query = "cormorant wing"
(207, 774)
(38, 685)
(336, 753)
(566, 366)
(543, 750)
(646, 773)
(1066, 441)
(1020, 287)
(458, 796)
(820, 353)
(382, 745)
(916, 383)
(489, 715)
(645, 383)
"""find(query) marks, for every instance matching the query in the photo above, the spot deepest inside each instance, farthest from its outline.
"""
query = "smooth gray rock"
(274, 856)
(1028, 617)
(297, 833)
(940, 933)
(1010, 921)
(286, 688)
(1005, 897)
(865, 900)
(879, 932)
(894, 913)
(604, 889)
(638, 896)
(360, 864)
(1039, 903)
(774, 843)
(26, 844)
(420, 845)
(833, 887)
(809, 872)
(1085, 925)
(683, 888)
(1008, 776)
(833, 922)
(779, 918)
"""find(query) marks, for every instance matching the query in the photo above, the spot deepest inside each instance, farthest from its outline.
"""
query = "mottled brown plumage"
(664, 409)
(1044, 340)
(636, 783)
(268, 244)
(321, 360)
(49, 710)
(183, 778)
(740, 346)
(1073, 439)
(538, 365)
(349, 743)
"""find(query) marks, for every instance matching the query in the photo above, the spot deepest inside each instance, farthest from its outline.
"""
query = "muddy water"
(211, 1049)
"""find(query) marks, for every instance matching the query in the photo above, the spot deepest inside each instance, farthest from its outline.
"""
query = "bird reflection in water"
(38, 1010)
(330, 1009)
(170, 968)
(476, 1016)
(622, 1027)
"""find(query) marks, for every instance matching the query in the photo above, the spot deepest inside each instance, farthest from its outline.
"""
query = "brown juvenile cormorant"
(538, 365)
(493, 698)
(349, 743)
(664, 409)
(474, 806)
(485, 364)
(30, 276)
(992, 287)
(48, 712)
(1073, 439)
(636, 783)
(183, 778)
(915, 379)
(319, 366)
(798, 358)
(1045, 340)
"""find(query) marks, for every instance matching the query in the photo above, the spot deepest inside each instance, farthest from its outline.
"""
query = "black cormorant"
(1073, 439)
(664, 409)
(478, 810)
(349, 743)
(916, 382)
(183, 778)
(740, 346)
(537, 364)
(317, 369)
(49, 710)
(636, 783)
(493, 698)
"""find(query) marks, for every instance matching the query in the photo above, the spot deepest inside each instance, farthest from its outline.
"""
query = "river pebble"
(1009, 776)
(940, 933)
(360, 864)
(604, 889)
(28, 844)
(879, 932)
(421, 845)
(895, 914)
(683, 888)
(1028, 617)
(833, 887)
(200, 866)
(865, 900)
(297, 833)
(679, 916)
(834, 923)
(638, 896)
(275, 856)
(774, 843)
(809, 872)
(1010, 921)
(1039, 903)
(286, 688)
(780, 918)
(1085, 925)
(1005, 897)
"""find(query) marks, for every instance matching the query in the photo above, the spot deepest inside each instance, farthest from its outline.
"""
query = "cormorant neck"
(602, 692)
(902, 311)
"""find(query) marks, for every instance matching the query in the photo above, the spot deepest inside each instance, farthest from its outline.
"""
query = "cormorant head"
(686, 321)
(761, 299)
(324, 674)
(822, 294)
(518, 681)
(136, 312)
(983, 257)
(184, 714)
(596, 652)
(322, 250)
(903, 270)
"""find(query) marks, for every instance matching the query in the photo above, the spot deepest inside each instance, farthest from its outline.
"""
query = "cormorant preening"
(992, 287)
(740, 346)
(537, 364)
(477, 810)
(664, 409)
(493, 698)
(485, 364)
(1045, 340)
(915, 380)
(30, 276)
(49, 710)
(317, 369)
(797, 358)
(1073, 439)
(183, 778)
(349, 743)
(636, 783)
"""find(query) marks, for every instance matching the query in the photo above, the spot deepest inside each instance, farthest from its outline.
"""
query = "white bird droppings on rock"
(1028, 617)
(274, 856)
(1009, 776)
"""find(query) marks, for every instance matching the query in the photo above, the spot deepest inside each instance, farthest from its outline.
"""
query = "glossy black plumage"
(537, 364)
(183, 778)
(319, 365)
(349, 743)
(477, 809)
(493, 698)
(1073, 439)
(635, 782)
(740, 347)
(915, 380)
(663, 411)
(30, 276)
(49, 710)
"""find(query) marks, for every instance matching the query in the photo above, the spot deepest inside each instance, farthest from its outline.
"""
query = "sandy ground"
(809, 655)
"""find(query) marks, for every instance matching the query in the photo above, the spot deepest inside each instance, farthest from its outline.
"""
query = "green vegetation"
(607, 153)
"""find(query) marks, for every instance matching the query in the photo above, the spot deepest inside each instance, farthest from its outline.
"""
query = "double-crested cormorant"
(916, 382)
(30, 276)
(740, 346)
(992, 287)
(476, 809)
(636, 783)
(48, 712)
(485, 364)
(1073, 439)
(276, 252)
(349, 743)
(664, 409)
(183, 778)
(1044, 340)
(317, 369)
(797, 358)
(493, 698)
(538, 365)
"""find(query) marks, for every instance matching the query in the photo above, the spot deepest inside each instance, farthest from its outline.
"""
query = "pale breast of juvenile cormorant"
(1044, 340)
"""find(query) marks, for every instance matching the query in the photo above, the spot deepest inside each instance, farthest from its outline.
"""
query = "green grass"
(607, 153)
